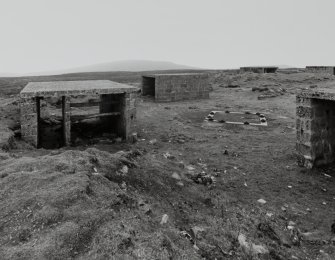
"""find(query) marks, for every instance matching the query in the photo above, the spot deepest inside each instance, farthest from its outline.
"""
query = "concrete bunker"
(268, 69)
(321, 69)
(315, 127)
(176, 87)
(77, 109)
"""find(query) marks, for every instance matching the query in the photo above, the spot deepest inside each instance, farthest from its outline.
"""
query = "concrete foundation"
(315, 127)
(259, 69)
(117, 105)
(176, 87)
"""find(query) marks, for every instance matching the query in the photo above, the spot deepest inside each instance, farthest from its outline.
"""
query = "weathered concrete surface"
(267, 69)
(315, 126)
(176, 87)
(321, 69)
(66, 88)
(6, 138)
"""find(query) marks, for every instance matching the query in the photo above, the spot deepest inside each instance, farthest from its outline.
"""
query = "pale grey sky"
(42, 35)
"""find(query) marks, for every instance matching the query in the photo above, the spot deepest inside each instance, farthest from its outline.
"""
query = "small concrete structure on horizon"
(315, 127)
(259, 69)
(321, 69)
(176, 87)
(117, 101)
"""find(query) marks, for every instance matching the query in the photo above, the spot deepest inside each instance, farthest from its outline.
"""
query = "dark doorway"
(50, 127)
(148, 86)
(270, 70)
(94, 118)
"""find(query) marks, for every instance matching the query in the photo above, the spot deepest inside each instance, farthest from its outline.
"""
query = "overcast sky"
(42, 35)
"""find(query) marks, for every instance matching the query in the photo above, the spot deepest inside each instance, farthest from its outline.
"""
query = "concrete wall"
(181, 87)
(254, 70)
(259, 69)
(315, 131)
(30, 113)
(320, 69)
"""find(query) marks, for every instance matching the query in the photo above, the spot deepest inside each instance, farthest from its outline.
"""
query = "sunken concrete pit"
(315, 127)
(115, 106)
(321, 69)
(176, 87)
(267, 69)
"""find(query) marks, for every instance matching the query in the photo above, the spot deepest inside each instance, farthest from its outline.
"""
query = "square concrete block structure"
(321, 69)
(176, 87)
(116, 100)
(268, 69)
(315, 127)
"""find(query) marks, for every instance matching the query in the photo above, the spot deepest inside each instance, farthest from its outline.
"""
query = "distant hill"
(125, 65)
(4, 74)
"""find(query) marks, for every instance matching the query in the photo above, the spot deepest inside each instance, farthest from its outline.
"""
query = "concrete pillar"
(66, 113)
(304, 120)
(30, 108)
(128, 115)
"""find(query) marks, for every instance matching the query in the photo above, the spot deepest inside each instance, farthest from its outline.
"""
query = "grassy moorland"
(188, 189)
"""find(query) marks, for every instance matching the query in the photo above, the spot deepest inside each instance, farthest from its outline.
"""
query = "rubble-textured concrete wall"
(315, 131)
(30, 113)
(259, 69)
(181, 87)
(254, 70)
(320, 69)
(66, 113)
(125, 125)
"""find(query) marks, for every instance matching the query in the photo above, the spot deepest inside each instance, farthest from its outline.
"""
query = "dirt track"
(206, 177)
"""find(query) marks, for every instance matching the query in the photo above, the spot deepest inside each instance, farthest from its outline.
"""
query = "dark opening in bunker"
(148, 86)
(322, 128)
(270, 70)
(80, 120)
(50, 127)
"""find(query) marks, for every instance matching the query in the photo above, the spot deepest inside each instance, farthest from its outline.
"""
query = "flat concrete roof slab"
(66, 88)
(318, 93)
(175, 74)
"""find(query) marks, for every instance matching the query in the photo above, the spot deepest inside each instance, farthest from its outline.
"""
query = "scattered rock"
(124, 170)
(165, 219)
(203, 178)
(123, 185)
(251, 247)
(261, 201)
(153, 141)
(181, 184)
(176, 176)
(190, 168)
(167, 155)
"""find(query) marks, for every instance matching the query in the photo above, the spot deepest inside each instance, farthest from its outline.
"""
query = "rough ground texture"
(188, 189)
